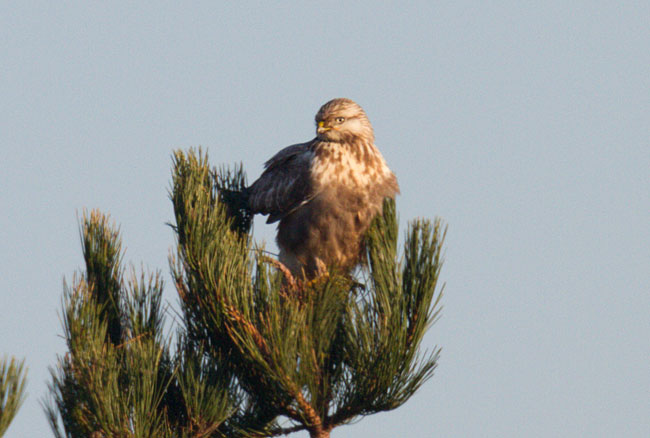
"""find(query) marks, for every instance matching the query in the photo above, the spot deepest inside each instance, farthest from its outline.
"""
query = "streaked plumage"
(325, 192)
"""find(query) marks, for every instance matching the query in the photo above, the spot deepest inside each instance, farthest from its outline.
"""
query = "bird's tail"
(233, 193)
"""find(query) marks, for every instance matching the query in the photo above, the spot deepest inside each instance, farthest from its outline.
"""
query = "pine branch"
(102, 250)
(233, 194)
(13, 377)
(130, 388)
(386, 325)
(212, 272)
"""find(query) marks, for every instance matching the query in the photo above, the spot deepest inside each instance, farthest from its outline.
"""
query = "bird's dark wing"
(285, 184)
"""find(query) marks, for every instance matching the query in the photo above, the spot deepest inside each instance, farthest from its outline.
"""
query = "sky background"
(524, 125)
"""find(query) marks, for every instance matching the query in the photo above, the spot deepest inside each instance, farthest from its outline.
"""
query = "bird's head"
(343, 121)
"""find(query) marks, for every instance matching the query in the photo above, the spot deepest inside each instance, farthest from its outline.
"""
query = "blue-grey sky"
(524, 125)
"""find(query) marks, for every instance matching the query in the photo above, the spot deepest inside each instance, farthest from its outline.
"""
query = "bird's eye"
(340, 119)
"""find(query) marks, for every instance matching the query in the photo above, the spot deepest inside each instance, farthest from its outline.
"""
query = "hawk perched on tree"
(325, 192)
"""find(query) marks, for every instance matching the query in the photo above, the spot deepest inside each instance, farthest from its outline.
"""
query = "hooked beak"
(322, 127)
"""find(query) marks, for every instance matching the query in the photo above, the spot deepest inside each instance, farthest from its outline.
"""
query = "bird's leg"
(321, 269)
(318, 274)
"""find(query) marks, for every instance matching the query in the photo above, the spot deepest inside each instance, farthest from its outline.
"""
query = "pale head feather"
(342, 120)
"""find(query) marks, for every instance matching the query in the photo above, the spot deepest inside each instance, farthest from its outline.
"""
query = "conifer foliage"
(257, 352)
(12, 390)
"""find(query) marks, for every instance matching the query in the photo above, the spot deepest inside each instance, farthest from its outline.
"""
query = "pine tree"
(257, 353)
(13, 377)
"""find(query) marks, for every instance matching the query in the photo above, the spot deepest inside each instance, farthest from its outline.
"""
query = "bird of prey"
(325, 192)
